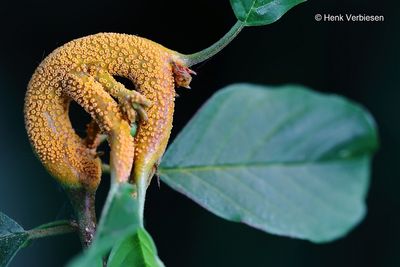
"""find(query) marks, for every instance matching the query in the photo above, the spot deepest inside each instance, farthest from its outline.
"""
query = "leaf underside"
(261, 12)
(286, 160)
(12, 238)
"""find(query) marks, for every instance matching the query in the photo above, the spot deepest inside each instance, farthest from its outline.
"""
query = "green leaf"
(119, 219)
(261, 12)
(137, 250)
(285, 160)
(12, 238)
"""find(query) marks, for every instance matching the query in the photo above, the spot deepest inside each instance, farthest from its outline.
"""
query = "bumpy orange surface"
(82, 70)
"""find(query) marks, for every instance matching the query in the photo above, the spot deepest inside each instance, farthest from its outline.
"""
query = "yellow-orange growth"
(82, 70)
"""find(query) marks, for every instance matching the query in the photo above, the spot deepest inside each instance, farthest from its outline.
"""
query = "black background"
(357, 60)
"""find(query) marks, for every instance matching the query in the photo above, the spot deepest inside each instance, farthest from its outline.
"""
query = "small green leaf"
(286, 160)
(261, 12)
(119, 219)
(137, 250)
(12, 238)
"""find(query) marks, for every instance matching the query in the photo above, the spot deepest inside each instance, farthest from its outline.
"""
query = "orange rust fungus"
(82, 71)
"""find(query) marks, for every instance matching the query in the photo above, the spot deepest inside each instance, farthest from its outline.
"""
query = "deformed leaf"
(286, 160)
(137, 250)
(261, 12)
(12, 238)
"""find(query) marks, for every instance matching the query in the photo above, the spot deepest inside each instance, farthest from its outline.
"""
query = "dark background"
(357, 60)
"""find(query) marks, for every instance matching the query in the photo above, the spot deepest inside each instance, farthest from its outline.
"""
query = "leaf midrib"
(11, 234)
(253, 164)
(250, 10)
(249, 211)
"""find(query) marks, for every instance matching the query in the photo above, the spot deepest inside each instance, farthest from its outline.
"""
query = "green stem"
(52, 229)
(113, 186)
(111, 193)
(141, 191)
(142, 181)
(210, 51)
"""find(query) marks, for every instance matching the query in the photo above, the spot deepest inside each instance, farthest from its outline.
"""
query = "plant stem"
(83, 203)
(210, 51)
(141, 187)
(142, 183)
(52, 229)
